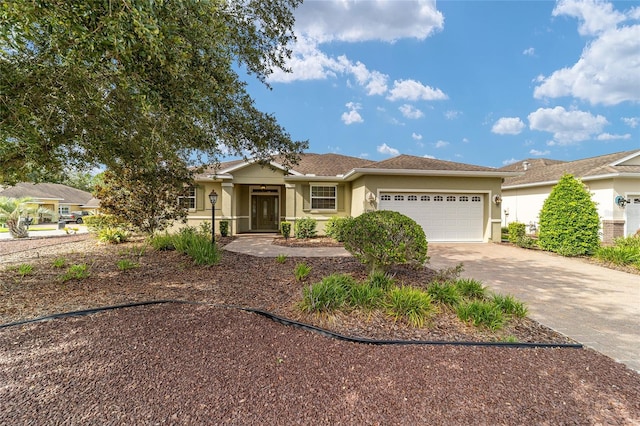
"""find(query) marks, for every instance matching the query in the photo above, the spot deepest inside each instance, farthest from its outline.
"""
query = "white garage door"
(444, 217)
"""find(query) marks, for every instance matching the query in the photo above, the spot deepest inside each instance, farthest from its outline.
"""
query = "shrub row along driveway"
(596, 306)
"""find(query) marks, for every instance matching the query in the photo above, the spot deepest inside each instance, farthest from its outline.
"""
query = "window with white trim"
(451, 198)
(189, 200)
(412, 198)
(385, 197)
(475, 198)
(438, 198)
(425, 198)
(463, 198)
(324, 197)
(398, 198)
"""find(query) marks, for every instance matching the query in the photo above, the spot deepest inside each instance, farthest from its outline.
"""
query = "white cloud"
(411, 112)
(429, 156)
(567, 126)
(416, 136)
(610, 137)
(537, 153)
(509, 161)
(441, 144)
(452, 114)
(386, 149)
(595, 16)
(414, 90)
(353, 21)
(465, 140)
(631, 121)
(508, 126)
(352, 116)
(608, 71)
(529, 52)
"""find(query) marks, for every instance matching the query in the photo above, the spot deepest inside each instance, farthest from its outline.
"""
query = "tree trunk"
(17, 229)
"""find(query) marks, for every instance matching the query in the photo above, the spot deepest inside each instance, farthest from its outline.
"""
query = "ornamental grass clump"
(381, 280)
(331, 294)
(366, 296)
(481, 314)
(625, 251)
(509, 305)
(471, 288)
(445, 293)
(409, 304)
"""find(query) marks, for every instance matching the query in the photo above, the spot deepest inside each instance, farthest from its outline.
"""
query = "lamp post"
(213, 197)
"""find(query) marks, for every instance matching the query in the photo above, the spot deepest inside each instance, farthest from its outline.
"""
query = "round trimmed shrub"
(569, 221)
(383, 238)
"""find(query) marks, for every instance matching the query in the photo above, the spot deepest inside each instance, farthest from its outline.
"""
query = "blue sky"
(477, 82)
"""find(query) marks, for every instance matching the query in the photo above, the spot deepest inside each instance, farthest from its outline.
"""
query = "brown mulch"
(185, 364)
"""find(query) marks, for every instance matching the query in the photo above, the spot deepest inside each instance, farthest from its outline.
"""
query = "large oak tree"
(114, 83)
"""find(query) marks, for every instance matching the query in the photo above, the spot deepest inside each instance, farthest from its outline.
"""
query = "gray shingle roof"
(410, 162)
(65, 194)
(547, 171)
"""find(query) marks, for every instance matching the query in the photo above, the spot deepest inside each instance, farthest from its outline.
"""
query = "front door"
(264, 213)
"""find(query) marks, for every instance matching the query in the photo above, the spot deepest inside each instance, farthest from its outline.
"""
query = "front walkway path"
(596, 306)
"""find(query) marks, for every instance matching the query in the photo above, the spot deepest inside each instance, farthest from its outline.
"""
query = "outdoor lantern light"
(213, 197)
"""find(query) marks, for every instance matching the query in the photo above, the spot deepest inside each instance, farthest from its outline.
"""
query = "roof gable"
(410, 162)
(52, 191)
(583, 169)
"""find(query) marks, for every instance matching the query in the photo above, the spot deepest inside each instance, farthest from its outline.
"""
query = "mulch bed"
(185, 364)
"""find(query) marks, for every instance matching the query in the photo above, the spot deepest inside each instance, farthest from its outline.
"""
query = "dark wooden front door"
(264, 213)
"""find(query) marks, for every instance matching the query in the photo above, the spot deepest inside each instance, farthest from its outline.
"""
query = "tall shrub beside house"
(569, 221)
(381, 239)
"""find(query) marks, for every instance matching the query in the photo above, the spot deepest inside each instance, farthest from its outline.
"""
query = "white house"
(613, 180)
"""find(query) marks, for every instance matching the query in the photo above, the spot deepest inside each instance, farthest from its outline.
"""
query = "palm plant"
(12, 209)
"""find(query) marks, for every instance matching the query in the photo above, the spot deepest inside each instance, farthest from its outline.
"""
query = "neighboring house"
(613, 179)
(58, 198)
(451, 201)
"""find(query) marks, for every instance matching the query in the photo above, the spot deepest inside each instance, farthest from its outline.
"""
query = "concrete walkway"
(593, 305)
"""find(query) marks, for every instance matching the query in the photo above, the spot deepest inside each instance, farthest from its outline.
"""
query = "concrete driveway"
(596, 306)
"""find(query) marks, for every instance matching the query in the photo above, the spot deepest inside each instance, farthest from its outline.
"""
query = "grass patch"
(59, 262)
(509, 305)
(471, 289)
(191, 242)
(281, 258)
(365, 296)
(481, 314)
(76, 272)
(126, 264)
(445, 293)
(328, 295)
(409, 304)
(301, 271)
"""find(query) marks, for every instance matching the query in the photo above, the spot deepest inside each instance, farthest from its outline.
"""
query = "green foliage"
(195, 243)
(285, 229)
(451, 273)
(113, 235)
(76, 272)
(302, 271)
(98, 222)
(366, 296)
(330, 294)
(619, 255)
(281, 258)
(445, 293)
(145, 195)
(125, 264)
(509, 305)
(569, 221)
(224, 228)
(336, 226)
(381, 280)
(471, 288)
(162, 241)
(59, 262)
(481, 314)
(89, 83)
(516, 230)
(526, 241)
(25, 269)
(382, 239)
(306, 227)
(409, 304)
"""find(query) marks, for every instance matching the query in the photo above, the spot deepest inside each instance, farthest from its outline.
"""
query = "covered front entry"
(443, 216)
(264, 210)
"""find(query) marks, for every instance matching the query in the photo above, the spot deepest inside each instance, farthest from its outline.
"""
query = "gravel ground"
(203, 364)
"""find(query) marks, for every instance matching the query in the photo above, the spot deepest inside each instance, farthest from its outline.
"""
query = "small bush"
(381, 280)
(445, 293)
(516, 230)
(306, 228)
(382, 239)
(59, 262)
(224, 228)
(481, 314)
(526, 241)
(336, 226)
(98, 222)
(281, 258)
(200, 249)
(509, 305)
(302, 271)
(365, 296)
(285, 229)
(569, 221)
(25, 269)
(162, 241)
(409, 304)
(471, 289)
(451, 273)
(330, 294)
(619, 255)
(113, 235)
